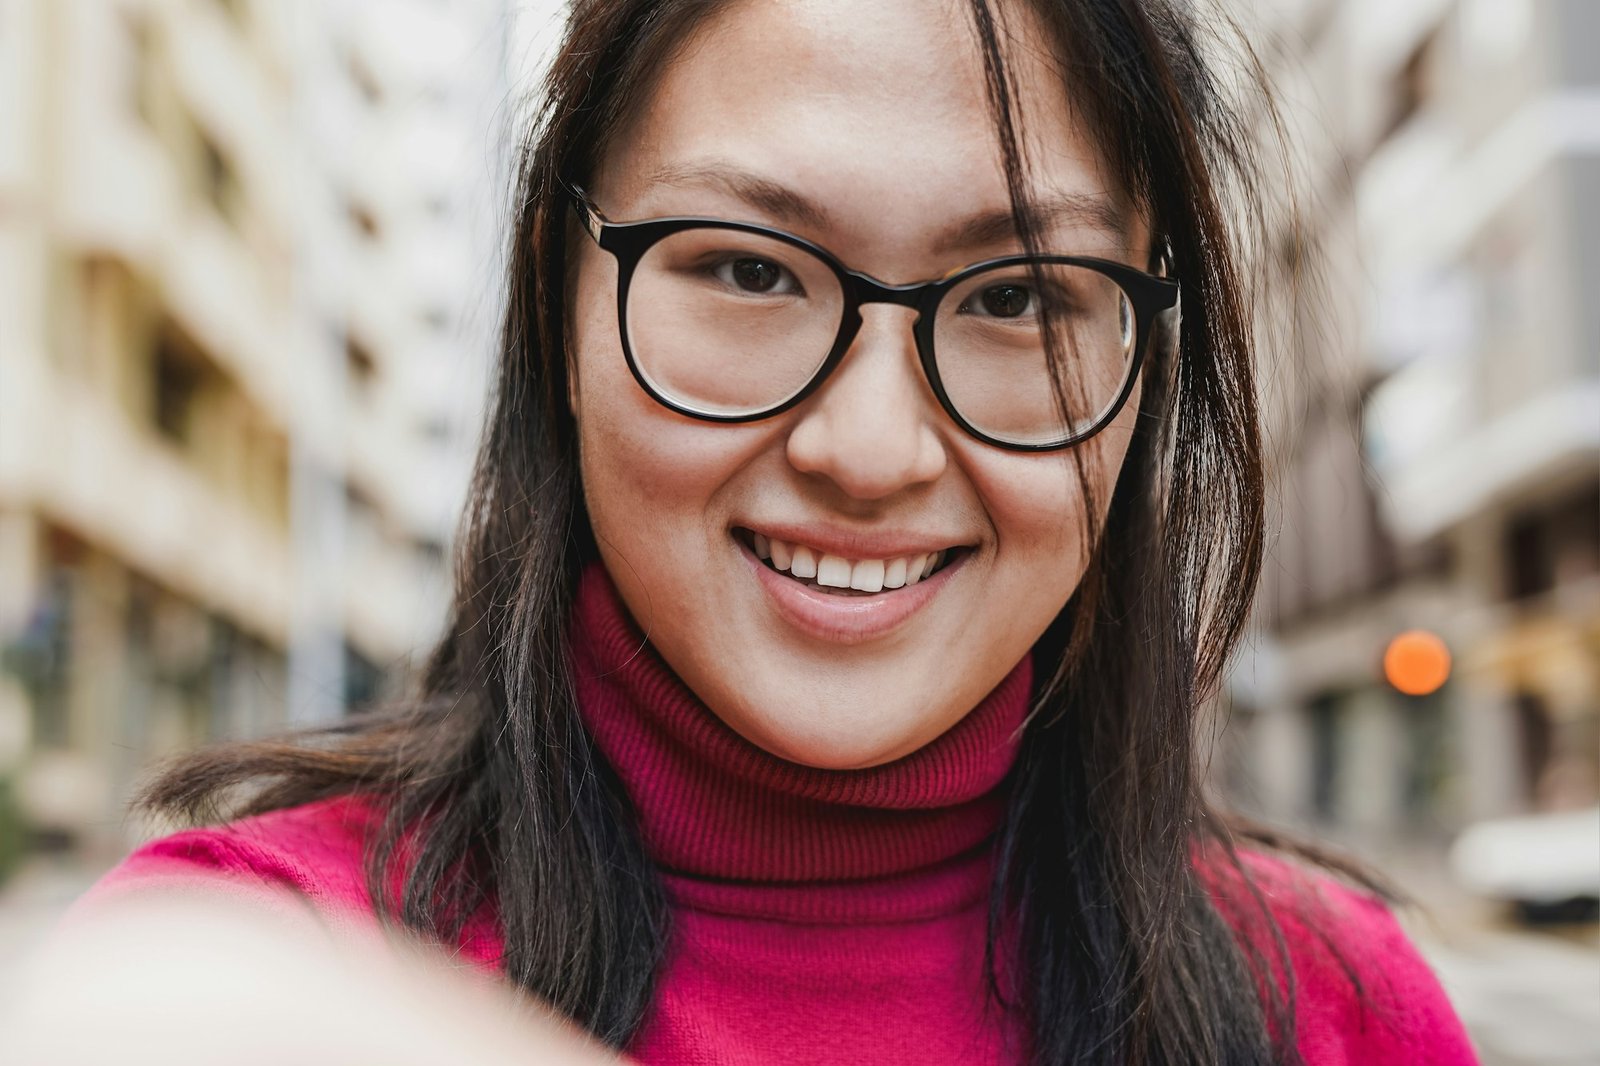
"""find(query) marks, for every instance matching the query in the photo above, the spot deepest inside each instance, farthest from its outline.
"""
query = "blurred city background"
(249, 288)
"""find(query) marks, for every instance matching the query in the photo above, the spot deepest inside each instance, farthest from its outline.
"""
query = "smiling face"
(873, 116)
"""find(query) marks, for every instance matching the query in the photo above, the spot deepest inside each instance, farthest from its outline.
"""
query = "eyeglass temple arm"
(588, 212)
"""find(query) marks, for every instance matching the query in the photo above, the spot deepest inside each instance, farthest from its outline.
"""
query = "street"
(1529, 999)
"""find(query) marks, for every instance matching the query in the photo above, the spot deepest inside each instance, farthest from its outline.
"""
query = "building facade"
(249, 281)
(1435, 426)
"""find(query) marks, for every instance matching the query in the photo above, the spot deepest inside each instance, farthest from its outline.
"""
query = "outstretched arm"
(205, 978)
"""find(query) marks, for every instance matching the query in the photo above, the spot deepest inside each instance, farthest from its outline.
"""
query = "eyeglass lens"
(727, 322)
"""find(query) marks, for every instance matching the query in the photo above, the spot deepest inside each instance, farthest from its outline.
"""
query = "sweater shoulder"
(1363, 990)
(315, 852)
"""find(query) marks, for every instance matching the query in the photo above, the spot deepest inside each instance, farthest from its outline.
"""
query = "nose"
(870, 427)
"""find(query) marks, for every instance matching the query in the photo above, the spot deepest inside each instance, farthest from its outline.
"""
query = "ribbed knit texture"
(823, 917)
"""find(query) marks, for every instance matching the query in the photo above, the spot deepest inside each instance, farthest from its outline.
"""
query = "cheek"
(650, 475)
(631, 463)
(1036, 510)
(621, 472)
(1040, 505)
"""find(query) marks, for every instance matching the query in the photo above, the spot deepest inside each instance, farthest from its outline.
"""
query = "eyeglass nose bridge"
(866, 289)
(861, 289)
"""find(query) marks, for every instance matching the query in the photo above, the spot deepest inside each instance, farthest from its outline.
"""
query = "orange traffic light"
(1416, 662)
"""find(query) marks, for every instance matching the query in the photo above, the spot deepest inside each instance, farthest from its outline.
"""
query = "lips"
(844, 617)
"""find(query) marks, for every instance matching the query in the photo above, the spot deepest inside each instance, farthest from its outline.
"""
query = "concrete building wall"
(249, 288)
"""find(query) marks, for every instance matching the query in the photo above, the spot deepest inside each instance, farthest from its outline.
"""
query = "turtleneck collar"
(737, 830)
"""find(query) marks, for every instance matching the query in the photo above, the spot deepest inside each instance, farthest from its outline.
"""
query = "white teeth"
(915, 565)
(833, 572)
(894, 575)
(781, 554)
(867, 575)
(922, 565)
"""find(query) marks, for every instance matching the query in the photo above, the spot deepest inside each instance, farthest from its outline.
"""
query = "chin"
(836, 759)
(849, 751)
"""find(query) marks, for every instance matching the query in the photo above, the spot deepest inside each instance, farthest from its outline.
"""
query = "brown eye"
(755, 275)
(1005, 301)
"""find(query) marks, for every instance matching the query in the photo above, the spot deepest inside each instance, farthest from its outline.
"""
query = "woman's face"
(875, 114)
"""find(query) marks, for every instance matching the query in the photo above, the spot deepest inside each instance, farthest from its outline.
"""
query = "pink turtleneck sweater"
(822, 916)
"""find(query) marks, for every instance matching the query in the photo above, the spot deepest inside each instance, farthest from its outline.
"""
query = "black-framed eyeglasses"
(733, 322)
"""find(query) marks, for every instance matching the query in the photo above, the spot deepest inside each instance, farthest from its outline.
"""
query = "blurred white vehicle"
(1547, 864)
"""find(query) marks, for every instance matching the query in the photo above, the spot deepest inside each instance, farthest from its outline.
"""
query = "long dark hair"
(490, 779)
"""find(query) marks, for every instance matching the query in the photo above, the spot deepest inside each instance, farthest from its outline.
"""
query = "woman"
(855, 537)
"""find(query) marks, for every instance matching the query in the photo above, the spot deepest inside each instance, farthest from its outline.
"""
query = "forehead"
(877, 113)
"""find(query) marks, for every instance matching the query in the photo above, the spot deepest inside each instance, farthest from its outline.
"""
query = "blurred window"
(364, 520)
(1535, 737)
(1325, 720)
(219, 181)
(365, 81)
(1411, 84)
(1426, 767)
(1553, 544)
(41, 657)
(363, 679)
(141, 66)
(363, 366)
(1577, 535)
(364, 220)
(175, 389)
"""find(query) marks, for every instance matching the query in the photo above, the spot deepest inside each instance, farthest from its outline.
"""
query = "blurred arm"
(206, 978)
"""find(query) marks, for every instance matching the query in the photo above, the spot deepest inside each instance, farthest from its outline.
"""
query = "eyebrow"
(1088, 210)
